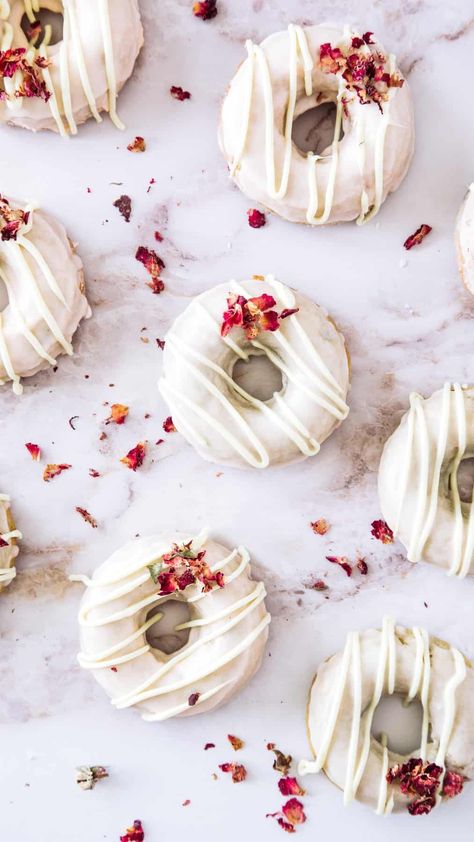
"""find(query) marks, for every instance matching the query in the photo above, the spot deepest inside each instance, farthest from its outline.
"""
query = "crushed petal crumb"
(418, 237)
(206, 9)
(381, 531)
(118, 414)
(178, 93)
(181, 567)
(239, 772)
(256, 218)
(320, 527)
(124, 205)
(52, 471)
(87, 517)
(31, 85)
(208, 746)
(137, 145)
(422, 779)
(251, 314)
(235, 742)
(34, 450)
(11, 219)
(154, 265)
(362, 566)
(93, 473)
(342, 561)
(168, 425)
(160, 342)
(135, 833)
(135, 456)
(282, 761)
(193, 699)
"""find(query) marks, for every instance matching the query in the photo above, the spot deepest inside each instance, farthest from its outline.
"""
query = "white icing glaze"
(228, 630)
(280, 79)
(418, 487)
(86, 69)
(347, 690)
(224, 422)
(10, 535)
(44, 281)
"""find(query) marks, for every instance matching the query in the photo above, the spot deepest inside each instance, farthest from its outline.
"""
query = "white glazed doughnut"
(80, 75)
(228, 629)
(44, 282)
(226, 424)
(418, 489)
(346, 691)
(464, 238)
(8, 542)
(283, 78)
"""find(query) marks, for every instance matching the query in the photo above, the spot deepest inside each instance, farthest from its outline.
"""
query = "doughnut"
(464, 239)
(45, 298)
(61, 85)
(342, 702)
(225, 423)
(8, 542)
(292, 72)
(228, 628)
(417, 481)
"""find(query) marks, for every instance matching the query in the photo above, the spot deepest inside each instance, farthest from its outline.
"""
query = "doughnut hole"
(163, 635)
(313, 129)
(55, 20)
(400, 722)
(466, 479)
(258, 376)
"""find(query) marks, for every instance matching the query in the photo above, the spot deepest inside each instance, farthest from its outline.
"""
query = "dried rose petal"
(293, 811)
(382, 531)
(256, 218)
(362, 566)
(208, 746)
(11, 220)
(87, 516)
(118, 414)
(452, 784)
(239, 772)
(186, 803)
(282, 761)
(168, 425)
(193, 698)
(124, 205)
(137, 145)
(154, 265)
(134, 833)
(290, 786)
(160, 342)
(418, 237)
(206, 9)
(158, 237)
(135, 456)
(93, 473)
(34, 30)
(342, 561)
(422, 806)
(289, 312)
(87, 776)
(417, 777)
(319, 585)
(52, 471)
(252, 314)
(178, 93)
(235, 742)
(365, 72)
(34, 450)
(181, 567)
(31, 84)
(320, 527)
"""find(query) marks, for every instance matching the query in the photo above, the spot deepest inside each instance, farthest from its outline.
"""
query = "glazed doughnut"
(292, 72)
(44, 282)
(347, 690)
(464, 238)
(223, 422)
(60, 86)
(228, 626)
(418, 488)
(8, 542)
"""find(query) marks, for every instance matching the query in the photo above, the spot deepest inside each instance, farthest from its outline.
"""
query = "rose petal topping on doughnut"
(168, 425)
(153, 264)
(289, 312)
(137, 145)
(87, 776)
(422, 806)
(320, 527)
(34, 30)
(3, 543)
(178, 93)
(31, 85)
(52, 471)
(135, 456)
(239, 772)
(194, 697)
(417, 777)
(235, 742)
(11, 220)
(87, 516)
(382, 531)
(365, 39)
(34, 450)
(206, 10)
(418, 237)
(365, 72)
(256, 218)
(181, 567)
(134, 833)
(124, 205)
(290, 786)
(252, 314)
(452, 784)
(342, 561)
(362, 566)
(118, 414)
(282, 761)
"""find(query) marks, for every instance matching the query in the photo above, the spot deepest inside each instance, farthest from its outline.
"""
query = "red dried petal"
(342, 561)
(134, 833)
(118, 414)
(318, 585)
(154, 265)
(186, 803)
(194, 697)
(289, 312)
(87, 516)
(52, 471)
(364, 72)
(160, 343)
(382, 531)
(206, 9)
(34, 450)
(168, 425)
(362, 566)
(135, 456)
(422, 806)
(453, 784)
(269, 321)
(137, 145)
(178, 93)
(158, 237)
(209, 745)
(11, 220)
(418, 237)
(320, 527)
(293, 811)
(93, 473)
(124, 205)
(290, 786)
(256, 218)
(239, 772)
(34, 30)
(235, 742)
(286, 825)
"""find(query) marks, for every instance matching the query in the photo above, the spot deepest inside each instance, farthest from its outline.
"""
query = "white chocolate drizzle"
(7, 574)
(310, 375)
(153, 686)
(298, 50)
(385, 683)
(453, 412)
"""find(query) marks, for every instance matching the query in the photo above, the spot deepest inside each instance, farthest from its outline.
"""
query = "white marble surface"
(408, 324)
